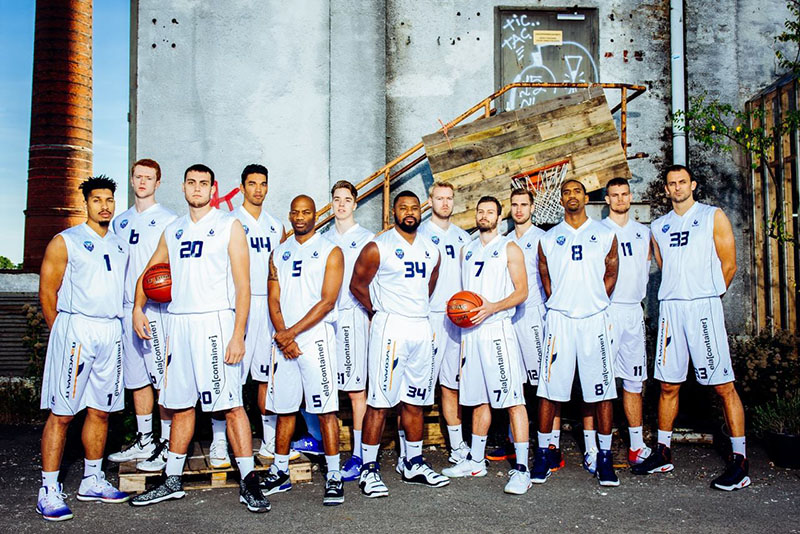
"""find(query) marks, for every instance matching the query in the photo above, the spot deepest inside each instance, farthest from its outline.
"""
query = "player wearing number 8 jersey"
(695, 248)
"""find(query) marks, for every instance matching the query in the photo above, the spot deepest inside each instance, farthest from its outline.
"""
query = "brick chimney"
(60, 153)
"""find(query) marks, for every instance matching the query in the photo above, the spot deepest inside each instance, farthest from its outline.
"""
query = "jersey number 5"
(297, 268)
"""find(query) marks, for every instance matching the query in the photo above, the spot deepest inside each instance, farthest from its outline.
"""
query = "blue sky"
(111, 60)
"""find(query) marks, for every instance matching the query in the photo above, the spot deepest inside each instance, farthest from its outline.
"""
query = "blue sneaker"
(275, 481)
(308, 445)
(97, 488)
(51, 505)
(605, 469)
(541, 466)
(352, 469)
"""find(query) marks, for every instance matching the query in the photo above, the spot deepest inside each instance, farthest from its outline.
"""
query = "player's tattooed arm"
(51, 275)
(725, 243)
(363, 272)
(612, 268)
(544, 273)
(656, 251)
(434, 277)
(292, 350)
(141, 325)
(240, 272)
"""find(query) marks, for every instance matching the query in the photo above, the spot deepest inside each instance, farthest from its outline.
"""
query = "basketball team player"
(81, 287)
(352, 321)
(449, 239)
(144, 361)
(402, 268)
(305, 276)
(493, 267)
(578, 264)
(695, 248)
(206, 250)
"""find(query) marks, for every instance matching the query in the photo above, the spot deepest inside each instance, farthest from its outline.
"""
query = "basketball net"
(545, 184)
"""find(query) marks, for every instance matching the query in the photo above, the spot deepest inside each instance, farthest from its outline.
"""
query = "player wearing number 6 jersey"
(393, 279)
(695, 248)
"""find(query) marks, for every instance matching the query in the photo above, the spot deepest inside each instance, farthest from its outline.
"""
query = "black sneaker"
(250, 494)
(334, 490)
(605, 469)
(555, 459)
(171, 488)
(275, 481)
(660, 461)
(541, 466)
(735, 476)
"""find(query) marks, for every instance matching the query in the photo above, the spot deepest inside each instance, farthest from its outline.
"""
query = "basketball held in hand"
(460, 308)
(157, 283)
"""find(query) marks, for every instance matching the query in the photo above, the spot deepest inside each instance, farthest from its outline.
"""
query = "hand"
(234, 353)
(484, 310)
(292, 351)
(283, 339)
(141, 325)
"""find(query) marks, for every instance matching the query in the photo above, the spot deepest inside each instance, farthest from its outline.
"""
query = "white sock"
(282, 462)
(637, 441)
(219, 428)
(357, 443)
(456, 437)
(413, 449)
(166, 426)
(175, 463)
(268, 425)
(245, 464)
(665, 437)
(478, 448)
(738, 445)
(402, 437)
(144, 424)
(542, 440)
(50, 479)
(605, 441)
(590, 439)
(555, 438)
(521, 448)
(332, 462)
(91, 467)
(370, 452)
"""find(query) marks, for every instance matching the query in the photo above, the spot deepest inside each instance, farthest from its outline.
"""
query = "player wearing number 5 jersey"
(80, 288)
(695, 248)
(393, 279)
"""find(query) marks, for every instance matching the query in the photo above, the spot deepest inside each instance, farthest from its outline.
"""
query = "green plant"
(6, 263)
(34, 340)
(766, 366)
(19, 400)
(781, 415)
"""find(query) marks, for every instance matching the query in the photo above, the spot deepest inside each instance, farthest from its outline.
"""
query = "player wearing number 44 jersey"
(402, 268)
(80, 288)
(694, 246)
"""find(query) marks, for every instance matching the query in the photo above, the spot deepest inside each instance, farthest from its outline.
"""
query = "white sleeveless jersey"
(263, 236)
(484, 270)
(400, 286)
(529, 243)
(576, 262)
(690, 267)
(94, 279)
(633, 245)
(449, 242)
(202, 281)
(351, 242)
(142, 232)
(301, 271)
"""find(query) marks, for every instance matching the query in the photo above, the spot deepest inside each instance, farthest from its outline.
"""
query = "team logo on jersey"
(435, 239)
(665, 229)
(469, 255)
(179, 233)
(528, 245)
(593, 238)
(353, 245)
(152, 223)
(88, 245)
(427, 254)
(460, 239)
(211, 232)
(124, 223)
(695, 223)
(496, 253)
(638, 235)
(399, 253)
(119, 247)
(287, 255)
(315, 254)
(561, 240)
(272, 229)
(246, 229)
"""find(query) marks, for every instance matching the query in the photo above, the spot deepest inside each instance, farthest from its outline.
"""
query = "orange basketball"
(157, 283)
(460, 306)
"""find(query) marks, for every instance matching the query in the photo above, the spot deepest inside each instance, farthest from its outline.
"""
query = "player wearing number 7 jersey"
(695, 248)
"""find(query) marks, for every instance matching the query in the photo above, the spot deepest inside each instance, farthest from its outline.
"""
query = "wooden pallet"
(198, 473)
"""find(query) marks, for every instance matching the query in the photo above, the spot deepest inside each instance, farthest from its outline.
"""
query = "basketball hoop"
(545, 184)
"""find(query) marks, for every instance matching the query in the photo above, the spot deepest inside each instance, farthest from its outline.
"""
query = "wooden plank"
(788, 214)
(758, 239)
(772, 204)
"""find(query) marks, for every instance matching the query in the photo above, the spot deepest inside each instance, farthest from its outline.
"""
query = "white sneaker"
(400, 467)
(637, 456)
(218, 455)
(51, 504)
(519, 482)
(158, 461)
(371, 483)
(590, 460)
(97, 488)
(423, 474)
(459, 453)
(142, 449)
(466, 468)
(267, 450)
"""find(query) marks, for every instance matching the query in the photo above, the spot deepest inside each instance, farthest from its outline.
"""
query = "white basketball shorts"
(401, 361)
(352, 335)
(585, 342)
(144, 360)
(83, 366)
(630, 355)
(196, 368)
(696, 329)
(493, 369)
(258, 340)
(447, 349)
(311, 375)
(528, 324)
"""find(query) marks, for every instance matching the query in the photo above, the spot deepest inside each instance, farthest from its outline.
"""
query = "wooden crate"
(198, 473)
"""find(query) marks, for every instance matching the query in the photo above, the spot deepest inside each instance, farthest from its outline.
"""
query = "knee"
(97, 414)
(632, 386)
(670, 390)
(726, 390)
(61, 420)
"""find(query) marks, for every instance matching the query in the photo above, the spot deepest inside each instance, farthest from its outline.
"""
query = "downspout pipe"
(678, 63)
